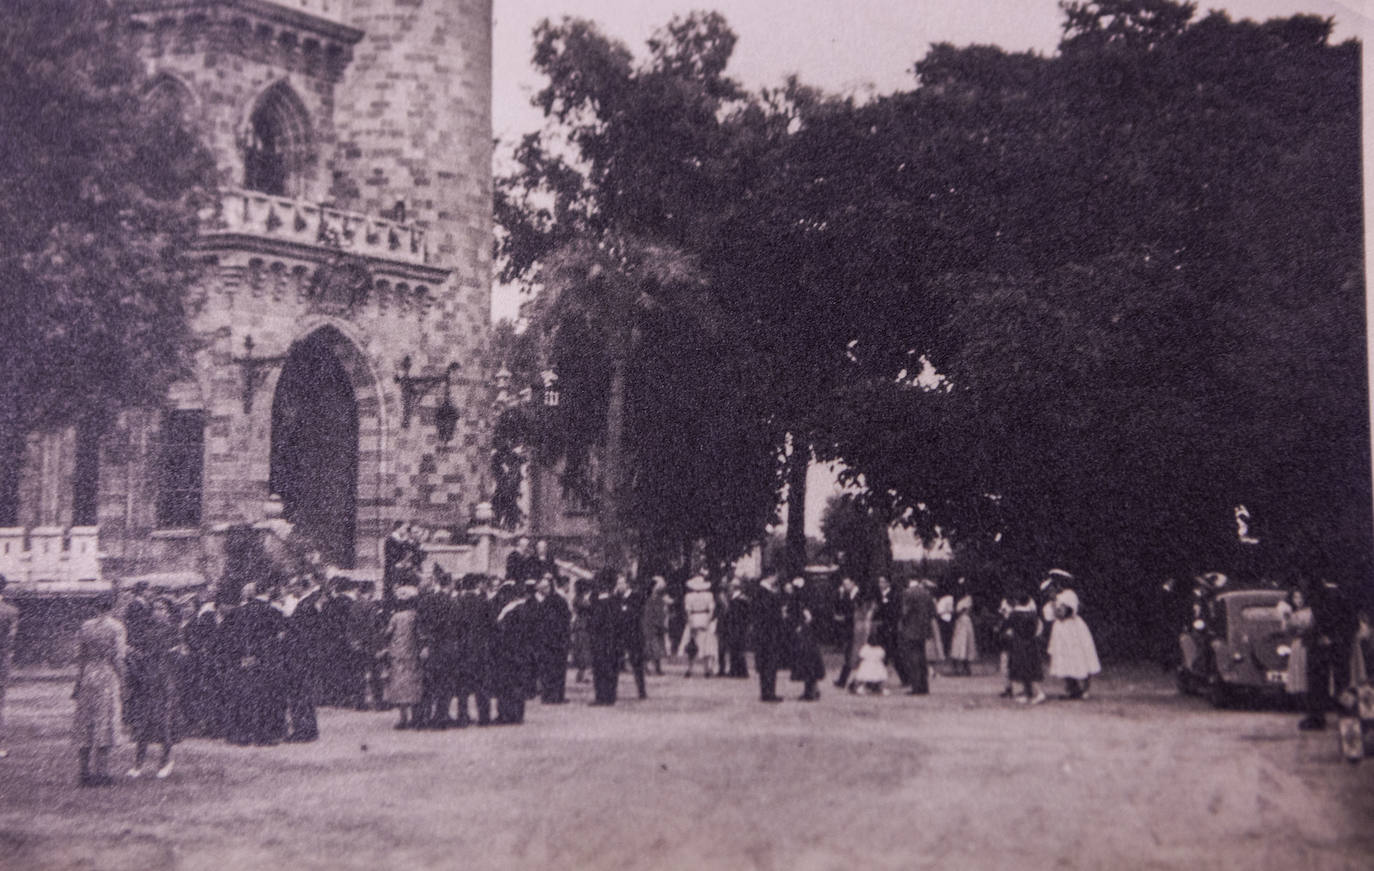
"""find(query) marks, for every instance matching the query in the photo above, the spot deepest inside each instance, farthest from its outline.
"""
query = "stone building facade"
(344, 315)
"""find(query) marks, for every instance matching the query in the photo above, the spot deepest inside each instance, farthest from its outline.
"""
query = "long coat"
(152, 693)
(100, 652)
(404, 679)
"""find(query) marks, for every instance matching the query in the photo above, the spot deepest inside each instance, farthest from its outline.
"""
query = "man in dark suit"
(253, 631)
(918, 609)
(300, 665)
(770, 637)
(735, 629)
(516, 560)
(435, 623)
(887, 615)
(629, 631)
(602, 617)
(513, 659)
(846, 607)
(552, 636)
(1335, 622)
(476, 622)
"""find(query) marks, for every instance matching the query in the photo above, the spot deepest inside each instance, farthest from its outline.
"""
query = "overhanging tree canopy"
(102, 188)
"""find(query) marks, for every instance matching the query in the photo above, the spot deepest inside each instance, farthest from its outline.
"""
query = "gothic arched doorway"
(314, 464)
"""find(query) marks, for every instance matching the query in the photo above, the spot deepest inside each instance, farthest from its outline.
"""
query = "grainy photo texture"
(499, 434)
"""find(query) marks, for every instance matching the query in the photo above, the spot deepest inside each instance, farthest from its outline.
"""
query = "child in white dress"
(870, 677)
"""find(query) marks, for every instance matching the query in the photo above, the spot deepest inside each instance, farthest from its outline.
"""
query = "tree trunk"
(798, 463)
(612, 539)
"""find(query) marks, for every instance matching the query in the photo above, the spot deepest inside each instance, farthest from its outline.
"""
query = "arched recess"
(278, 143)
(326, 446)
(169, 94)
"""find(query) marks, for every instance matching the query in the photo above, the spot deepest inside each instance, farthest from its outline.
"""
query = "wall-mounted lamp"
(414, 388)
(254, 371)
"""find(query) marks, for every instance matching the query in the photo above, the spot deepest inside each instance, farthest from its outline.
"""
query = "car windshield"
(1260, 614)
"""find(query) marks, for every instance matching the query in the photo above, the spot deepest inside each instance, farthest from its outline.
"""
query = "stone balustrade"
(50, 555)
(254, 214)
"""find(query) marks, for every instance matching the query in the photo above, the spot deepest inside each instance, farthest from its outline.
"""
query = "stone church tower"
(344, 313)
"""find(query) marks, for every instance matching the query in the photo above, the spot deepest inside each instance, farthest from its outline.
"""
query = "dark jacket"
(918, 609)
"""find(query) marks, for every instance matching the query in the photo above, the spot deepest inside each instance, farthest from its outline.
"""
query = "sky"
(861, 47)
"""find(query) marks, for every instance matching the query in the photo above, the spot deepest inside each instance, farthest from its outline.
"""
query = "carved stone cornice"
(309, 39)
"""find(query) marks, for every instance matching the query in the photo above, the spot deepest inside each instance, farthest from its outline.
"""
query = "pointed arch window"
(277, 147)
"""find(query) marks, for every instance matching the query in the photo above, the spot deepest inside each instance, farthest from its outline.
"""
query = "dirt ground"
(704, 776)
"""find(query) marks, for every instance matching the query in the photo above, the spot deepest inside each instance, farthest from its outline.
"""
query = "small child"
(871, 675)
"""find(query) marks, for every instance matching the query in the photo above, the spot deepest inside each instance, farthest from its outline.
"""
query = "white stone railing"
(269, 217)
(49, 554)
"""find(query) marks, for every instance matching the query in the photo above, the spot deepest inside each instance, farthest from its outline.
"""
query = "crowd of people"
(1040, 632)
(449, 653)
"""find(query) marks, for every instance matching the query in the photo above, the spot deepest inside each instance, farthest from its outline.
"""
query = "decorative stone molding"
(307, 36)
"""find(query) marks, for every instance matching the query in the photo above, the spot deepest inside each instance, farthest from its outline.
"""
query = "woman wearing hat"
(700, 637)
(1073, 655)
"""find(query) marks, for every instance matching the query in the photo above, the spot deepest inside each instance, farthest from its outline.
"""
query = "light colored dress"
(404, 679)
(935, 645)
(871, 667)
(100, 650)
(1072, 651)
(963, 646)
(700, 606)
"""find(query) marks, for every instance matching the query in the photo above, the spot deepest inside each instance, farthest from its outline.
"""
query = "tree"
(857, 540)
(103, 191)
(611, 218)
(1136, 269)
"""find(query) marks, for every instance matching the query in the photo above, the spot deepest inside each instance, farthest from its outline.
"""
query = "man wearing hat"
(9, 626)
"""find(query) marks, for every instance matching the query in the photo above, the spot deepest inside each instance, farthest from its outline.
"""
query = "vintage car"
(1234, 644)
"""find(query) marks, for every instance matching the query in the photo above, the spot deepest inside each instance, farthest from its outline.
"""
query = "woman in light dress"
(963, 646)
(1073, 655)
(699, 638)
(404, 677)
(101, 647)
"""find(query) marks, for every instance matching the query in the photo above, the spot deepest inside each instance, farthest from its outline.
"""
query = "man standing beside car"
(1335, 622)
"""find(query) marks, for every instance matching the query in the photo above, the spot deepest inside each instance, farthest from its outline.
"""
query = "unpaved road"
(703, 776)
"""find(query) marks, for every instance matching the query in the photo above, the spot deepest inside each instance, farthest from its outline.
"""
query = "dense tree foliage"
(857, 541)
(1136, 267)
(611, 216)
(1070, 310)
(102, 190)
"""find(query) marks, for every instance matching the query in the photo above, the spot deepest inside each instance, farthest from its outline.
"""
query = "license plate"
(1276, 676)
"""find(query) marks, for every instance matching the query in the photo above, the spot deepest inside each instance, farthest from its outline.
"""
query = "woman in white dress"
(1073, 656)
(699, 638)
(963, 646)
